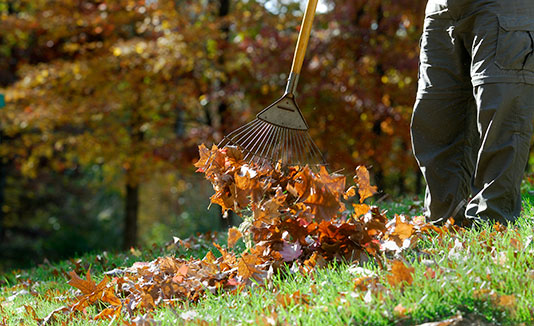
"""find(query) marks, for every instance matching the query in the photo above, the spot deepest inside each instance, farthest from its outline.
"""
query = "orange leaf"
(399, 310)
(233, 236)
(109, 313)
(86, 286)
(360, 209)
(507, 301)
(402, 230)
(400, 274)
(110, 297)
(246, 266)
(210, 257)
(351, 192)
(362, 179)
(181, 273)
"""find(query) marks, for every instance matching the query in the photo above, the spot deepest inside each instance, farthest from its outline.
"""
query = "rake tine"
(318, 157)
(238, 138)
(272, 146)
(258, 143)
(252, 141)
(302, 151)
(266, 144)
(240, 131)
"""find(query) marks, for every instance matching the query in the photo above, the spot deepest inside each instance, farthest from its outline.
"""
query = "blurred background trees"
(107, 100)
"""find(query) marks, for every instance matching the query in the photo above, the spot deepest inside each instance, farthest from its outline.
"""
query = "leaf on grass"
(400, 274)
(400, 310)
(233, 236)
(109, 297)
(109, 313)
(402, 230)
(506, 301)
(31, 312)
(87, 286)
(296, 298)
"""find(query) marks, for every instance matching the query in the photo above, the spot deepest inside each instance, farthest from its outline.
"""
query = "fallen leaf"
(87, 286)
(290, 252)
(400, 274)
(246, 266)
(233, 236)
(402, 230)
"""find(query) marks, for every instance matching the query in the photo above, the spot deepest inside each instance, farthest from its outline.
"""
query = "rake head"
(278, 134)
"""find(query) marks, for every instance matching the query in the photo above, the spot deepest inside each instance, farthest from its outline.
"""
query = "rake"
(279, 134)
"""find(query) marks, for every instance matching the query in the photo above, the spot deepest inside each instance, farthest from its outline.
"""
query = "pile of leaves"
(292, 217)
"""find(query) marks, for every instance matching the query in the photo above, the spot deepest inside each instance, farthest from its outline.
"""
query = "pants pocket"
(515, 44)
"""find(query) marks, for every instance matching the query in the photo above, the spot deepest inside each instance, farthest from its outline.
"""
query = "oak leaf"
(87, 286)
(360, 209)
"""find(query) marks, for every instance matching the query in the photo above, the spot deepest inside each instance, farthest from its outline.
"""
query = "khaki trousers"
(472, 119)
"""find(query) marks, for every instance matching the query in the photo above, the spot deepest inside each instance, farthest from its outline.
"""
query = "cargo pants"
(472, 119)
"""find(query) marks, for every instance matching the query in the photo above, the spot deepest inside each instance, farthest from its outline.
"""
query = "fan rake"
(279, 134)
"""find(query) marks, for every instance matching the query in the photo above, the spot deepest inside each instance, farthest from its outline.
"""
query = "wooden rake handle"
(304, 36)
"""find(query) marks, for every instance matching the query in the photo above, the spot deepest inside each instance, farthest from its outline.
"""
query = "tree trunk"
(224, 10)
(131, 210)
(3, 175)
(131, 200)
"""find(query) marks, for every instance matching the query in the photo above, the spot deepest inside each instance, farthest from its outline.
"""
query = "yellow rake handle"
(304, 36)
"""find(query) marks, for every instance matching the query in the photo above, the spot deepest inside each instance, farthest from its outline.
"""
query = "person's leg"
(499, 37)
(505, 126)
(444, 117)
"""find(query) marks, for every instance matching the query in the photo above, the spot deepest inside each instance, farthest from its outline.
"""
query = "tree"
(117, 93)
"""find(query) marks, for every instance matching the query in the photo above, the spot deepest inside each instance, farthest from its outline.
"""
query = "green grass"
(483, 276)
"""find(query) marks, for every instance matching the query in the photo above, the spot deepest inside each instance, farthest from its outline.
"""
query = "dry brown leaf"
(360, 209)
(400, 274)
(402, 230)
(506, 301)
(109, 313)
(400, 311)
(87, 286)
(181, 274)
(246, 266)
(109, 296)
(32, 313)
(362, 179)
(233, 236)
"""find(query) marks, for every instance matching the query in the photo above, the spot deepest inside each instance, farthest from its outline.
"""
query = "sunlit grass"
(483, 275)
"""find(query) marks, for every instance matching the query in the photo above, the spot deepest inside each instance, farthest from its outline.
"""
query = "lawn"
(482, 276)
